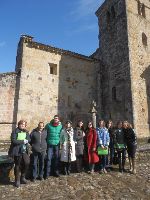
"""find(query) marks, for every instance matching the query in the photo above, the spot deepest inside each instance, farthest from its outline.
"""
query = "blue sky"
(67, 24)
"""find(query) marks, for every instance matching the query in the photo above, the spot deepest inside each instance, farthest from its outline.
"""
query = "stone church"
(48, 80)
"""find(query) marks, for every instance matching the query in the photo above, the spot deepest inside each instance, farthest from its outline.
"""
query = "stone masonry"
(7, 94)
(50, 81)
(124, 51)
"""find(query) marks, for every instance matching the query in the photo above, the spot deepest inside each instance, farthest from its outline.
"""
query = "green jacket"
(53, 133)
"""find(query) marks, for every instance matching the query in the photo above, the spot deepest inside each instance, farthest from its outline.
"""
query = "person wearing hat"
(67, 146)
(53, 138)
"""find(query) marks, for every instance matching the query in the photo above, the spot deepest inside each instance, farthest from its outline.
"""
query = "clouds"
(2, 44)
(85, 8)
(83, 16)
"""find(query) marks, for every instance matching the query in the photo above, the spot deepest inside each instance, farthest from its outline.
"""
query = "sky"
(67, 24)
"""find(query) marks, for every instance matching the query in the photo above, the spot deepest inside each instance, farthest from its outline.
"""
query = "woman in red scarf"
(90, 146)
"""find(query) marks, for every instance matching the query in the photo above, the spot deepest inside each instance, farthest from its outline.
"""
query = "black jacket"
(130, 136)
(119, 136)
(38, 140)
(111, 135)
(16, 145)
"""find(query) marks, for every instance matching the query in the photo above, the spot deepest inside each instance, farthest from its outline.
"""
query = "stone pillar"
(93, 111)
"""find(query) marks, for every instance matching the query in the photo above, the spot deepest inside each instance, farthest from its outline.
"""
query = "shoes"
(108, 169)
(33, 180)
(105, 171)
(23, 180)
(133, 171)
(130, 170)
(56, 175)
(124, 170)
(101, 172)
(17, 184)
(91, 172)
(46, 177)
(68, 172)
(40, 178)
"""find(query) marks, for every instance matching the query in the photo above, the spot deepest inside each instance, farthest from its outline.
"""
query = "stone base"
(143, 140)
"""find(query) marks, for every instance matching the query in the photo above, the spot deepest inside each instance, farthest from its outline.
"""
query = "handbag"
(119, 146)
(102, 151)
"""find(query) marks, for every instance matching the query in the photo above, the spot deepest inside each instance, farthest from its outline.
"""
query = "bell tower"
(114, 53)
(124, 35)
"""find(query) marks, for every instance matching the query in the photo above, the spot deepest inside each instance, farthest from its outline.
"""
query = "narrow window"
(113, 12)
(141, 9)
(114, 94)
(108, 17)
(53, 68)
(144, 39)
(69, 101)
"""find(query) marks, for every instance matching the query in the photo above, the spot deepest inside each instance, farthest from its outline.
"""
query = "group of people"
(54, 144)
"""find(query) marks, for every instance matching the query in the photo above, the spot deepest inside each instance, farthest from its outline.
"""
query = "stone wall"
(7, 96)
(113, 44)
(138, 27)
(54, 81)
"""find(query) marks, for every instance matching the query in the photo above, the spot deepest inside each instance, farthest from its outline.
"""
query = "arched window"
(113, 13)
(144, 39)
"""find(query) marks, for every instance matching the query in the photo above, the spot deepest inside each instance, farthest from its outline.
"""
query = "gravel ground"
(113, 185)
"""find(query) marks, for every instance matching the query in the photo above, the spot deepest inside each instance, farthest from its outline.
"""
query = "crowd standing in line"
(55, 148)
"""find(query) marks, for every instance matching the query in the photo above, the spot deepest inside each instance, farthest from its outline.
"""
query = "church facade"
(49, 80)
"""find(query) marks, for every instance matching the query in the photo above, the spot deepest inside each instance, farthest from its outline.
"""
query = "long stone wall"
(7, 96)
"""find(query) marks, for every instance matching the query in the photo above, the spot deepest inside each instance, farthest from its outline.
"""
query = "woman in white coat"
(67, 146)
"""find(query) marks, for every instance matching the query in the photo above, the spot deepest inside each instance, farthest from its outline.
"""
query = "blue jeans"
(52, 152)
(103, 160)
(38, 164)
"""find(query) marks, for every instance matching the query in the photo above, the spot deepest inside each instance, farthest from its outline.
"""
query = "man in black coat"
(39, 146)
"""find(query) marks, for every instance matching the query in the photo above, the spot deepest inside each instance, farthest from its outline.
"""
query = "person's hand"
(25, 141)
(94, 149)
(102, 147)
